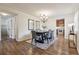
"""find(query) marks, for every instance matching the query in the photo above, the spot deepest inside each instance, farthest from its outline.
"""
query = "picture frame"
(30, 24)
(37, 25)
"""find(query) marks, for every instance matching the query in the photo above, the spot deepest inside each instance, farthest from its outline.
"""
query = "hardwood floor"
(11, 47)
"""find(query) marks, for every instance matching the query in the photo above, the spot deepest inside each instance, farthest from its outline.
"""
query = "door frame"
(63, 20)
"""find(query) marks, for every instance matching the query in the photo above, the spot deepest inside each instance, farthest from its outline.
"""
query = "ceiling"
(50, 9)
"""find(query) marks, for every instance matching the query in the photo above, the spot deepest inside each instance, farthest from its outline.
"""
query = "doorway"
(60, 23)
(7, 27)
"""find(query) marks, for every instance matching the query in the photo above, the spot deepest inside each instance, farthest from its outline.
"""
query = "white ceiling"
(35, 9)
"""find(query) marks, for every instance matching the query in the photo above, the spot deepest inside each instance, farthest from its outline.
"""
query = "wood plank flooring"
(11, 47)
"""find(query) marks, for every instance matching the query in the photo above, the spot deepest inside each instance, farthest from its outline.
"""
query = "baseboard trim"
(25, 37)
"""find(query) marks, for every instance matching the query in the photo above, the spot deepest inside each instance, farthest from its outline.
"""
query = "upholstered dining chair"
(36, 38)
(49, 36)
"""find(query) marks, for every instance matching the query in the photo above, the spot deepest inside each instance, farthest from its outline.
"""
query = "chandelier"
(44, 18)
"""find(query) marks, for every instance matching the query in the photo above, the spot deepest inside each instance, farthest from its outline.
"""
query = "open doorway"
(60, 24)
(7, 27)
(4, 27)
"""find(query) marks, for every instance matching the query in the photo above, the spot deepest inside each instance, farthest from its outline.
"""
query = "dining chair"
(49, 36)
(36, 38)
(45, 37)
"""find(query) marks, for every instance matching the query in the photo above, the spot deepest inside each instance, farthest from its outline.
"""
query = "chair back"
(50, 33)
(33, 34)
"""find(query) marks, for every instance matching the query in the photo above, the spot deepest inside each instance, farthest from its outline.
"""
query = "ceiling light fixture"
(4, 14)
(44, 18)
(42, 12)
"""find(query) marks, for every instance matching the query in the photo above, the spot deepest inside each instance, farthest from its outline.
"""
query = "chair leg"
(47, 41)
(32, 41)
(35, 43)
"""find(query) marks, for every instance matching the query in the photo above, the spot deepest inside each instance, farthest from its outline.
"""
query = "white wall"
(22, 24)
(78, 36)
(76, 17)
(0, 27)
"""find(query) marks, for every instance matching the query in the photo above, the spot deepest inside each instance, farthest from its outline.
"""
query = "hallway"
(11, 47)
